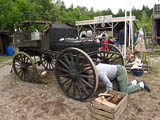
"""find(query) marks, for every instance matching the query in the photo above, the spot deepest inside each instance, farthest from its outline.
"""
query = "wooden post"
(132, 36)
(14, 44)
(78, 30)
(1, 46)
(112, 29)
(125, 45)
(94, 30)
(145, 35)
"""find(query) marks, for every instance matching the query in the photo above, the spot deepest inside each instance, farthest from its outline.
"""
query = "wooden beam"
(112, 29)
(105, 28)
(79, 28)
(115, 25)
(91, 27)
(110, 24)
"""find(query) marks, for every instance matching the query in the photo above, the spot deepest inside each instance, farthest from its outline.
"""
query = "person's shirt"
(106, 46)
(121, 37)
(106, 73)
(110, 42)
(135, 35)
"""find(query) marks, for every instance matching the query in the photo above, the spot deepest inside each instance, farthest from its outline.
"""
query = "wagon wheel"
(25, 68)
(108, 54)
(48, 61)
(72, 66)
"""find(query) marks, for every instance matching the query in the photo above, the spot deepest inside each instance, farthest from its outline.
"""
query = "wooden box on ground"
(146, 67)
(103, 112)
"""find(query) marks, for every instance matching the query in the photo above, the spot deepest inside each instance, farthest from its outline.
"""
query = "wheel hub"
(48, 58)
(23, 66)
(74, 74)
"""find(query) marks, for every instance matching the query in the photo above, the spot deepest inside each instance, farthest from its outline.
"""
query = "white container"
(36, 35)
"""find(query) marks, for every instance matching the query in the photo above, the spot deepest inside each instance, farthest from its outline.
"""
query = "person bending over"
(119, 77)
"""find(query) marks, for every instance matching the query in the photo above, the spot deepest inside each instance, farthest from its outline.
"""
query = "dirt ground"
(26, 101)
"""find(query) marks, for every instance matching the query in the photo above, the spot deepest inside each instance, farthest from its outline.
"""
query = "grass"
(157, 47)
(79, 113)
(153, 56)
(155, 67)
(13, 83)
(5, 58)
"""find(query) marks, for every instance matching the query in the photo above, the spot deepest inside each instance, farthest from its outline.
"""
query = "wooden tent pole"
(124, 54)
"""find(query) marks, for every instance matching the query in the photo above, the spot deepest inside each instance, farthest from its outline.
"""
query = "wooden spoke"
(85, 82)
(64, 64)
(114, 59)
(84, 70)
(64, 75)
(84, 88)
(65, 82)
(67, 61)
(69, 86)
(85, 76)
(79, 90)
(74, 88)
(63, 69)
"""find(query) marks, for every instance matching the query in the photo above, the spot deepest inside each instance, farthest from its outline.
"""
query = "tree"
(11, 11)
(145, 22)
(120, 13)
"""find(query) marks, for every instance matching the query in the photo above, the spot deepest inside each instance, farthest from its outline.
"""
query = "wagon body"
(58, 37)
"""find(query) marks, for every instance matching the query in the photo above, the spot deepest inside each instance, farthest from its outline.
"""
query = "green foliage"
(11, 11)
(157, 47)
(120, 13)
(145, 22)
(5, 58)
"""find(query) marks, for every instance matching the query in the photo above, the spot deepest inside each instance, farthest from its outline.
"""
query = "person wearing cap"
(115, 78)
(140, 45)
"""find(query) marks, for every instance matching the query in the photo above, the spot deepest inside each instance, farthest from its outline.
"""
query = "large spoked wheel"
(48, 61)
(76, 74)
(108, 54)
(25, 68)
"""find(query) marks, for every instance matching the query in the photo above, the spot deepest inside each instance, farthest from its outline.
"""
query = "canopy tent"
(105, 23)
(109, 23)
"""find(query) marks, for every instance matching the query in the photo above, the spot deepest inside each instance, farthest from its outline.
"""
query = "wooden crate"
(145, 67)
(103, 112)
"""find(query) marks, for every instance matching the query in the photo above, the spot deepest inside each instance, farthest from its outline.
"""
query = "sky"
(114, 5)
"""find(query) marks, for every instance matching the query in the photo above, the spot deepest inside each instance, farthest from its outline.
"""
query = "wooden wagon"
(59, 49)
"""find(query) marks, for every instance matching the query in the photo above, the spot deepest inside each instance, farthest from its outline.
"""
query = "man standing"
(118, 75)
(121, 41)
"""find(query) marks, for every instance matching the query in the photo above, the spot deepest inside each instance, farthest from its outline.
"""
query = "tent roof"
(104, 19)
